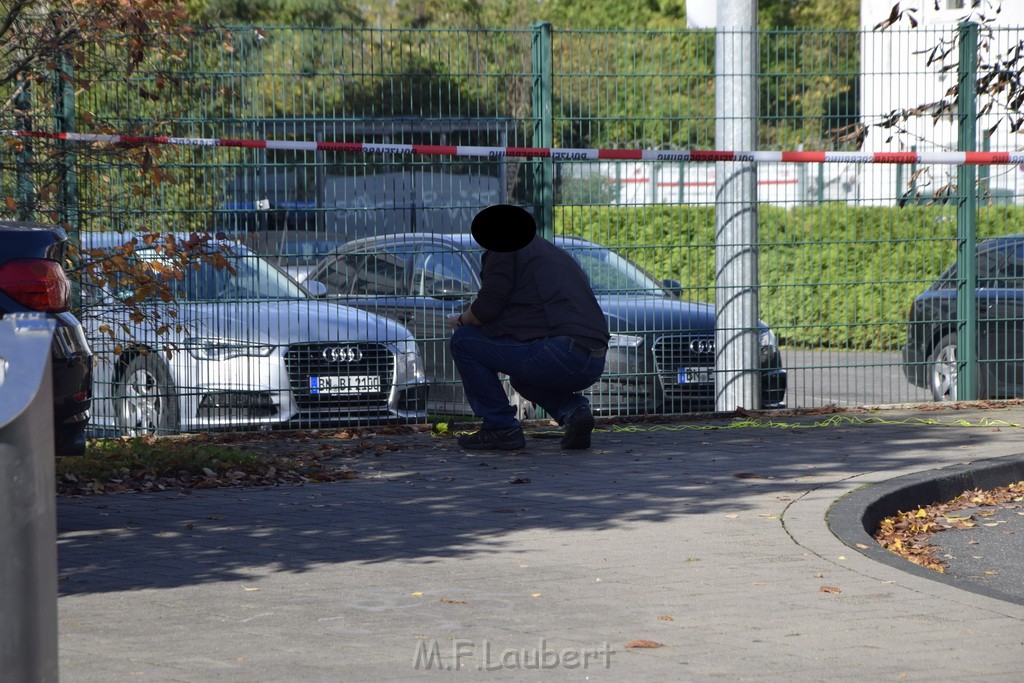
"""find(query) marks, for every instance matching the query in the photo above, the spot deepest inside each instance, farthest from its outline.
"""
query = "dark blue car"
(32, 280)
(930, 355)
(661, 357)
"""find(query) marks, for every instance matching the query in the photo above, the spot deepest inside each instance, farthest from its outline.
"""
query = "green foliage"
(832, 276)
(831, 14)
(276, 12)
(604, 14)
(591, 189)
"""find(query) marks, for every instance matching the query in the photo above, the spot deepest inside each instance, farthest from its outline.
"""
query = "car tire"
(942, 369)
(942, 373)
(145, 399)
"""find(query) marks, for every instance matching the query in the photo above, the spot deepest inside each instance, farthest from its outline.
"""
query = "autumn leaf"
(643, 644)
(909, 534)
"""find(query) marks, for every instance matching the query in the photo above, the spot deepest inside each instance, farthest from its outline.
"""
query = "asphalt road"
(984, 556)
(988, 555)
(847, 378)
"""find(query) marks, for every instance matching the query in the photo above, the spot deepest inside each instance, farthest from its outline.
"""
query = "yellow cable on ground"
(748, 423)
(832, 421)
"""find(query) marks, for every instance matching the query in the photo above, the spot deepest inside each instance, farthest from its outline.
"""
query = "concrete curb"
(854, 517)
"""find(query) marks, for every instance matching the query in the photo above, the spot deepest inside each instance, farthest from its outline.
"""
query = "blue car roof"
(462, 241)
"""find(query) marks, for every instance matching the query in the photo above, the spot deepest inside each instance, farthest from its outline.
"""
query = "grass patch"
(120, 457)
(187, 462)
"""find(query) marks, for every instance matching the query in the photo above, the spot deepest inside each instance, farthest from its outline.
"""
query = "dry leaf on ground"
(643, 644)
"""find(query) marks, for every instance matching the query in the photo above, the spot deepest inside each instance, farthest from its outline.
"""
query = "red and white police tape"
(559, 154)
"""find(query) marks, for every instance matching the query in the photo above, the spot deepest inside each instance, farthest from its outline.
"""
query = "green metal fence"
(843, 248)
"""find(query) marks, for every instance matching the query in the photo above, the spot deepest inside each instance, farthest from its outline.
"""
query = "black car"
(661, 356)
(930, 355)
(32, 280)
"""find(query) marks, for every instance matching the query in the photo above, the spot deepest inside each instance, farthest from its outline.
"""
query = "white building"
(905, 82)
(789, 185)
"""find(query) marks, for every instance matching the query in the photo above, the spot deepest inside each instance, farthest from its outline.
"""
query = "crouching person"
(536, 320)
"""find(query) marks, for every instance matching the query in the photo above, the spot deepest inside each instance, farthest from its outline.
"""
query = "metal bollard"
(28, 513)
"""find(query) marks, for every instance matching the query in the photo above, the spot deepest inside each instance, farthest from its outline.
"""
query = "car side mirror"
(317, 289)
(673, 287)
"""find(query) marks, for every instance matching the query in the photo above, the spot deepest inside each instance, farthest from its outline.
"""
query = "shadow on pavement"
(427, 501)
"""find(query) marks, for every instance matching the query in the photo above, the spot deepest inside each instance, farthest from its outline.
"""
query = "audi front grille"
(695, 355)
(336, 378)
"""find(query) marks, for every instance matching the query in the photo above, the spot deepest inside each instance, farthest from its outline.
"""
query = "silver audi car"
(233, 343)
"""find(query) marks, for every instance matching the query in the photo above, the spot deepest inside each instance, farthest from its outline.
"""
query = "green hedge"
(831, 276)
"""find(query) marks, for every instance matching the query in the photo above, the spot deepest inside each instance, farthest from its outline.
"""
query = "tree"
(808, 14)
(296, 13)
(93, 47)
(999, 72)
(52, 46)
(998, 90)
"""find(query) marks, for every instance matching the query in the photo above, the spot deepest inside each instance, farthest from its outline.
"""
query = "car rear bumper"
(71, 370)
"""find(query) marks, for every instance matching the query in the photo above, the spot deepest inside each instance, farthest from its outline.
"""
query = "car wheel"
(525, 410)
(145, 399)
(942, 369)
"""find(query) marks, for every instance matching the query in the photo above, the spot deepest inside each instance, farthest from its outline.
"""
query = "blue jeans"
(550, 372)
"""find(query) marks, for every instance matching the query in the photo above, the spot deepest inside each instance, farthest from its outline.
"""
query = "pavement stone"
(710, 538)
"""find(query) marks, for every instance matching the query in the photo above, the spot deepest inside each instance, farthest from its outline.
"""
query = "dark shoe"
(504, 439)
(578, 428)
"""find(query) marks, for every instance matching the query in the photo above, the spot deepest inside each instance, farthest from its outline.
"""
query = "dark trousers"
(550, 372)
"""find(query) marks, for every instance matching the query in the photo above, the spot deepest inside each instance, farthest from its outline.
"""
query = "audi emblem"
(702, 346)
(342, 354)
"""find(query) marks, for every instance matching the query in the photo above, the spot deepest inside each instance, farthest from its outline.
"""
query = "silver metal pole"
(737, 345)
(28, 517)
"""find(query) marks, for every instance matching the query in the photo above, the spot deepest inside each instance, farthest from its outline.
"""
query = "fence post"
(28, 518)
(67, 177)
(543, 128)
(966, 217)
(737, 338)
(25, 190)
(64, 120)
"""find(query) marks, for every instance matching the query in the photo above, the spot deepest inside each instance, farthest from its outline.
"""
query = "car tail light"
(39, 284)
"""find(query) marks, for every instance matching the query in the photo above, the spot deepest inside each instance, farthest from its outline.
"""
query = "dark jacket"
(538, 291)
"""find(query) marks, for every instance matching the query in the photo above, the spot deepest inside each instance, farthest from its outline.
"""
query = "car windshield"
(285, 250)
(610, 273)
(1000, 267)
(253, 279)
(305, 252)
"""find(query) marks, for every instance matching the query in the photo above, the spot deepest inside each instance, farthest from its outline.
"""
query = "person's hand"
(455, 321)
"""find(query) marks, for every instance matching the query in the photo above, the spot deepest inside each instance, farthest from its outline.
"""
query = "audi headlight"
(625, 340)
(223, 349)
(408, 363)
(769, 340)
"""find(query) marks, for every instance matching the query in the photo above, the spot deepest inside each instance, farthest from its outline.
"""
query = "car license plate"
(344, 384)
(703, 375)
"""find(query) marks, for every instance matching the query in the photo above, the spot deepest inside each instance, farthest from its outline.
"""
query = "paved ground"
(709, 539)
